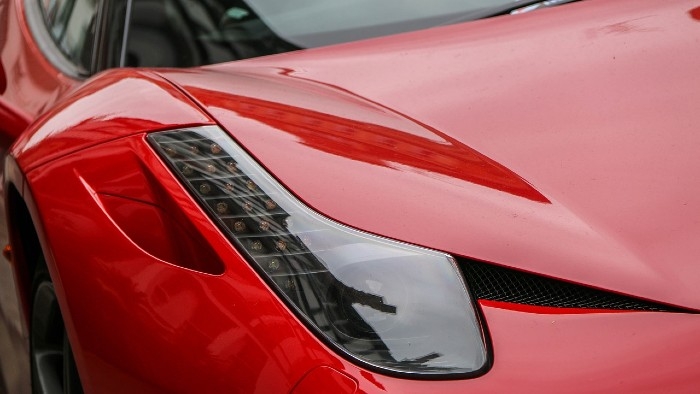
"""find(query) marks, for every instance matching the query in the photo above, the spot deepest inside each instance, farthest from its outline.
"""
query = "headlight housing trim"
(378, 302)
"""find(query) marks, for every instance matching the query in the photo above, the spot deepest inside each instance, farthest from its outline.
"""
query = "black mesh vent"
(489, 282)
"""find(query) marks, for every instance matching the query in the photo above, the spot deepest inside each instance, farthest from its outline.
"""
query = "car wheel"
(53, 365)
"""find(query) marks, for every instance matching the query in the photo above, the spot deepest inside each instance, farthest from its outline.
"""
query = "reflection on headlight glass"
(391, 305)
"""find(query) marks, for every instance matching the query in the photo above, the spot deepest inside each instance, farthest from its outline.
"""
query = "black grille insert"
(490, 282)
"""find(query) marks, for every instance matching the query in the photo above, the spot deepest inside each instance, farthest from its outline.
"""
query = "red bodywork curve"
(113, 105)
(32, 84)
(553, 110)
(377, 144)
(580, 102)
(152, 326)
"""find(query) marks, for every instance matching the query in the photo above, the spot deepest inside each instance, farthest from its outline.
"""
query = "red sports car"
(403, 197)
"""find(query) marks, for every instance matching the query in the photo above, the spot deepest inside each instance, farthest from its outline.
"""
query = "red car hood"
(563, 142)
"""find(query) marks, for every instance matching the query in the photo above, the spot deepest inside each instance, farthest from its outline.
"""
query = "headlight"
(387, 304)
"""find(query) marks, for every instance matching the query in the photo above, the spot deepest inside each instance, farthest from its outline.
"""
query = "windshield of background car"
(71, 24)
(182, 33)
(311, 23)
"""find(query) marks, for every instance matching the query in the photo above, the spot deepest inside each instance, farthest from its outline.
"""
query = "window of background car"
(65, 31)
(110, 35)
(72, 26)
(56, 13)
(312, 23)
(182, 33)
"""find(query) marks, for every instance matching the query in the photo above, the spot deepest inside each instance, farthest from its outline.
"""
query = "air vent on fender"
(494, 283)
(132, 195)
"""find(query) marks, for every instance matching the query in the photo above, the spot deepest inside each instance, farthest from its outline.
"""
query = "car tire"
(53, 366)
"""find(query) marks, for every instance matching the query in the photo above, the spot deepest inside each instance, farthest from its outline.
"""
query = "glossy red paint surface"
(32, 83)
(152, 326)
(325, 380)
(106, 108)
(598, 131)
(149, 324)
(561, 142)
(13, 116)
(14, 122)
(578, 353)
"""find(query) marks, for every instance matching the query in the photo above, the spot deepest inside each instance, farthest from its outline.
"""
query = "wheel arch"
(24, 229)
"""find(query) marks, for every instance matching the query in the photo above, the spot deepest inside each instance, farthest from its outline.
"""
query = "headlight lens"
(390, 305)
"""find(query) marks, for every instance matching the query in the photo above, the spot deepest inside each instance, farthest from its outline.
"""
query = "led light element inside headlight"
(387, 304)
